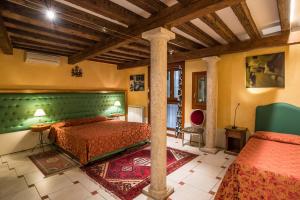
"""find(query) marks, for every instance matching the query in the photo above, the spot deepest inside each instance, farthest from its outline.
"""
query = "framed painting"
(137, 82)
(265, 71)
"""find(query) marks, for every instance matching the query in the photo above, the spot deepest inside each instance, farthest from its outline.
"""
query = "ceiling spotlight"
(171, 52)
(104, 29)
(50, 14)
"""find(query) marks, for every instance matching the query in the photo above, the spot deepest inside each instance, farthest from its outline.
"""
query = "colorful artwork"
(265, 71)
(137, 82)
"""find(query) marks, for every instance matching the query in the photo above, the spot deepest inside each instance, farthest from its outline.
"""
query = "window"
(199, 90)
(173, 77)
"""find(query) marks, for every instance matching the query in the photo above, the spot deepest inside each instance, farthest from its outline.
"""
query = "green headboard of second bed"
(17, 109)
(278, 117)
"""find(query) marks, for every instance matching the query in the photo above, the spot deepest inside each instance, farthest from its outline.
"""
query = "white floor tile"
(187, 192)
(201, 181)
(52, 184)
(34, 177)
(208, 170)
(28, 193)
(72, 192)
(10, 186)
(96, 197)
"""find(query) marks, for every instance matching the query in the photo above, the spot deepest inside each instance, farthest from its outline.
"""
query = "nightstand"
(118, 116)
(235, 139)
(40, 128)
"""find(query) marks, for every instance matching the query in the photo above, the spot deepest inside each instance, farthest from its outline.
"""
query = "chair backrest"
(197, 118)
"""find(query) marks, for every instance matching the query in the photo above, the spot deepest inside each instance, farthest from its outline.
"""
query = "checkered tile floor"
(20, 179)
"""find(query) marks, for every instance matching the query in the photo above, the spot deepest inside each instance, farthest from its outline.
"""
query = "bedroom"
(69, 67)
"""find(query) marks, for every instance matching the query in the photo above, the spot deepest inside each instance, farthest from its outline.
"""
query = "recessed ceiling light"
(50, 14)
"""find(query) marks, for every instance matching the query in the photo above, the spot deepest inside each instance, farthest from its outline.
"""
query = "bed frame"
(278, 117)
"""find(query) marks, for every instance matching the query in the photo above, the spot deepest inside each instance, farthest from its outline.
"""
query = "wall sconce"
(76, 71)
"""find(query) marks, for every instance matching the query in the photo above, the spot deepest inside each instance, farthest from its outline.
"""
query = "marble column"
(211, 107)
(158, 38)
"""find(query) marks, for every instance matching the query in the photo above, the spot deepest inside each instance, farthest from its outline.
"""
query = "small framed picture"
(137, 82)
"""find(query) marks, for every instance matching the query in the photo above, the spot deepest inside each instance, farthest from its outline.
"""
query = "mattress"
(94, 138)
(268, 167)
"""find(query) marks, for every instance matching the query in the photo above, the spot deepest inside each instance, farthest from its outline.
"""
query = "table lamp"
(39, 113)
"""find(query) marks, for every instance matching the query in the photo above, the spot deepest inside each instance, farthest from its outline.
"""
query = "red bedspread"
(95, 138)
(267, 168)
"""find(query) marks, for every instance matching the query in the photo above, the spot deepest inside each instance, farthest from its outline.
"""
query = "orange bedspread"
(95, 138)
(267, 168)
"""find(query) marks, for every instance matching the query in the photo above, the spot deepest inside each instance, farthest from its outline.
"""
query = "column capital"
(158, 33)
(212, 59)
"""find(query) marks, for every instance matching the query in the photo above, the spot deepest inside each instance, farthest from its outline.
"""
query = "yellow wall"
(138, 98)
(190, 67)
(232, 86)
(16, 74)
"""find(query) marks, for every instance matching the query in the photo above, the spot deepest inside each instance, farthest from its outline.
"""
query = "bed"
(90, 138)
(268, 167)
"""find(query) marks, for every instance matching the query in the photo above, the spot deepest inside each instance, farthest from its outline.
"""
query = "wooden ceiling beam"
(46, 32)
(277, 40)
(242, 12)
(5, 43)
(132, 52)
(198, 34)
(114, 62)
(45, 24)
(168, 17)
(185, 43)
(26, 42)
(45, 42)
(145, 5)
(137, 47)
(217, 24)
(72, 15)
(284, 14)
(113, 58)
(109, 9)
(118, 55)
(40, 49)
(46, 38)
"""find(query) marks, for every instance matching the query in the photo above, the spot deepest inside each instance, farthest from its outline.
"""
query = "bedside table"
(118, 116)
(235, 139)
(40, 128)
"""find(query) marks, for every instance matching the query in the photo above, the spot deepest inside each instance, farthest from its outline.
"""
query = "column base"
(158, 195)
(209, 150)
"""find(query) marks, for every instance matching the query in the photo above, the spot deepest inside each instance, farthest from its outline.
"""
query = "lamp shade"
(39, 113)
(117, 103)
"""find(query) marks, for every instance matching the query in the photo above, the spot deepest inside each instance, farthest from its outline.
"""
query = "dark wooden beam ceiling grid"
(171, 16)
(63, 28)
(198, 34)
(108, 9)
(69, 14)
(216, 23)
(284, 14)
(243, 13)
(271, 41)
(5, 43)
(46, 32)
(185, 43)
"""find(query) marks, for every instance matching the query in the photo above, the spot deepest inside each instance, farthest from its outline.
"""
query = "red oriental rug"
(127, 175)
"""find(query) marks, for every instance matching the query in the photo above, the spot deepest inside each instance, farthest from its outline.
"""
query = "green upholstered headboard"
(278, 117)
(17, 109)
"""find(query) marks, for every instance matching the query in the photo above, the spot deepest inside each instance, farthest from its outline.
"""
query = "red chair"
(197, 119)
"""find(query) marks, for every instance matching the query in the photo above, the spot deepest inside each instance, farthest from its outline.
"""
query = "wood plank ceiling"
(107, 31)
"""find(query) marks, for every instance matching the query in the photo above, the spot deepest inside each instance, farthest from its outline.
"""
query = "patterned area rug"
(52, 162)
(127, 175)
